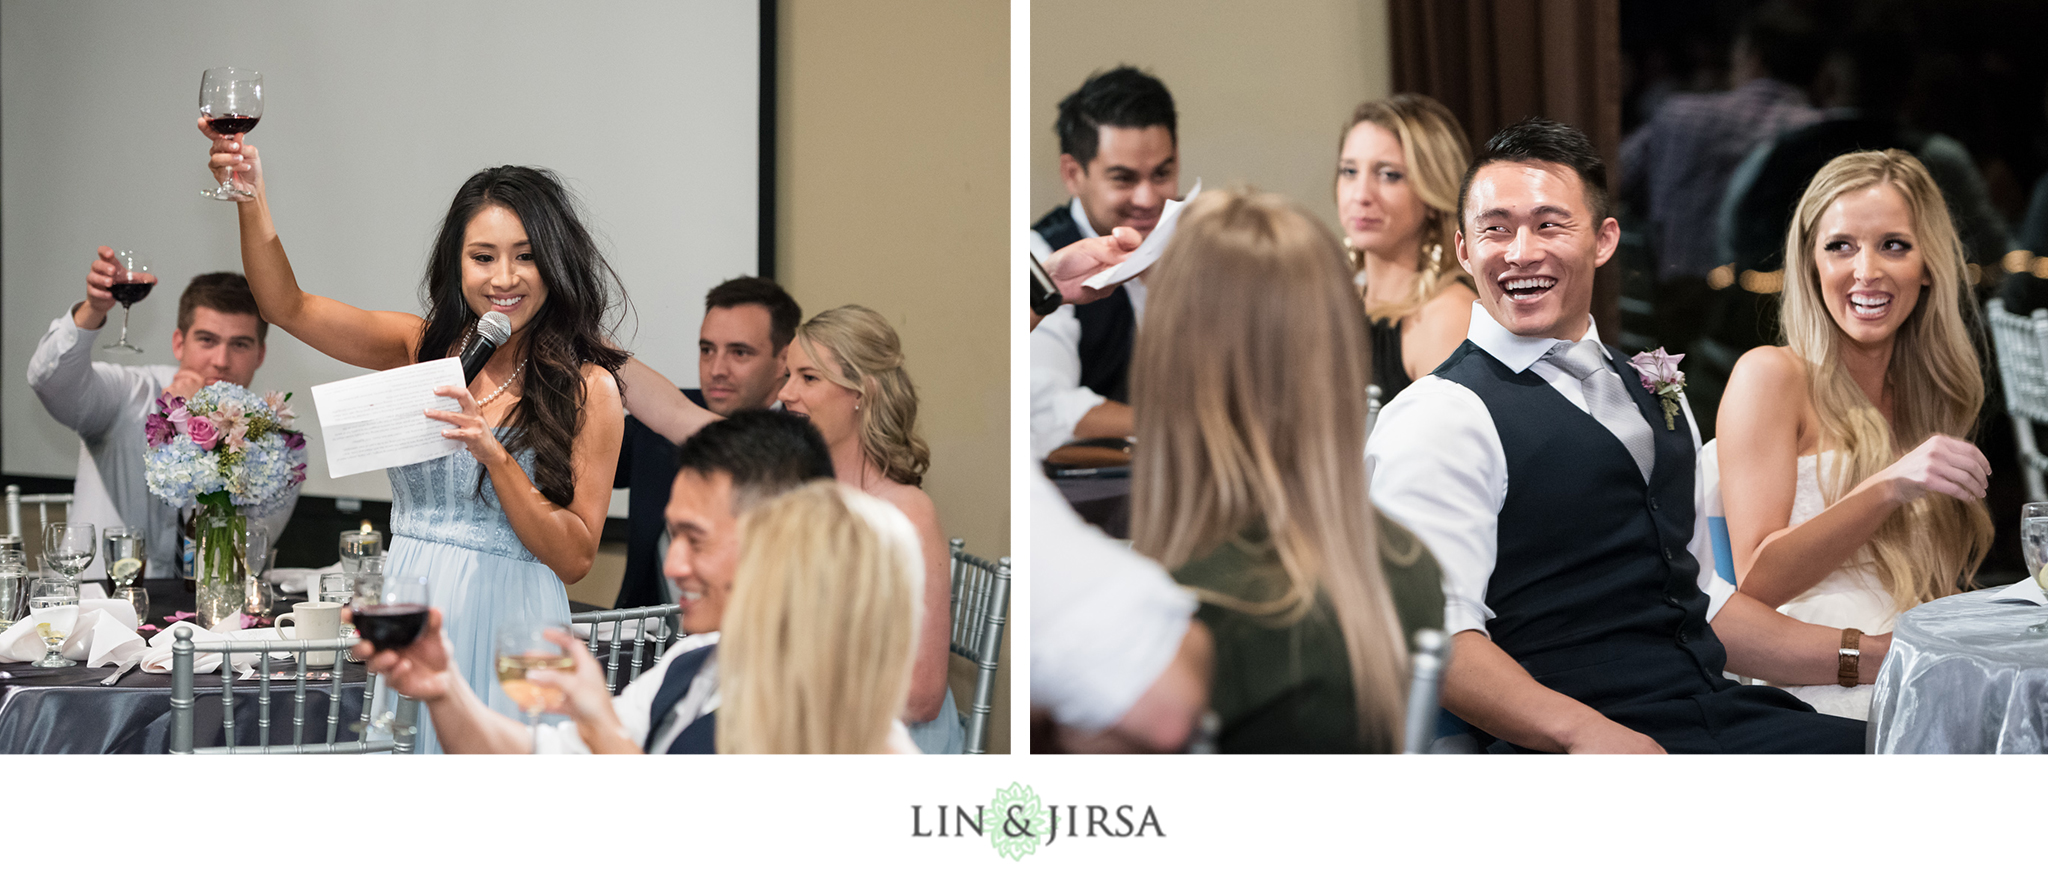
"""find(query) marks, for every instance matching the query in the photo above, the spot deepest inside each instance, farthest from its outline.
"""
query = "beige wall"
(1263, 89)
(892, 166)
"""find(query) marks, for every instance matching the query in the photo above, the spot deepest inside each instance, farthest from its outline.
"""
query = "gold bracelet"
(1851, 655)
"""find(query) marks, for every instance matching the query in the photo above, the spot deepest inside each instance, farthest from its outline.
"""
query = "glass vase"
(220, 575)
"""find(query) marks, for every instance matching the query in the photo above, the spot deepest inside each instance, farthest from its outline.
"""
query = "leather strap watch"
(1851, 655)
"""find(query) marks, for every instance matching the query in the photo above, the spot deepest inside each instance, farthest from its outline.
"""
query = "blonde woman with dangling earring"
(1398, 170)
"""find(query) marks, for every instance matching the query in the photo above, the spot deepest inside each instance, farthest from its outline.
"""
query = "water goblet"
(2034, 547)
(53, 604)
(522, 648)
(359, 544)
(68, 549)
(13, 588)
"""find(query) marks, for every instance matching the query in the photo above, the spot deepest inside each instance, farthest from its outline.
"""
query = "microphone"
(492, 330)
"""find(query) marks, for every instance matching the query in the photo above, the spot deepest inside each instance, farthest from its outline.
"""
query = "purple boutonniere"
(1660, 376)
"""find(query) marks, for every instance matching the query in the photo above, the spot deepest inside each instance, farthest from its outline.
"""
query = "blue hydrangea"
(259, 478)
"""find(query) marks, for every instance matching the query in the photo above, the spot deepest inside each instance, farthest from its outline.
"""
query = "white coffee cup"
(313, 621)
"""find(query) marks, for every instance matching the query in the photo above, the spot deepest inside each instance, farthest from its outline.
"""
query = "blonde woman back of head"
(1879, 386)
(1247, 388)
(818, 639)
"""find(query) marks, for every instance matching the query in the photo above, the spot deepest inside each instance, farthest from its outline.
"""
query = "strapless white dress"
(1850, 597)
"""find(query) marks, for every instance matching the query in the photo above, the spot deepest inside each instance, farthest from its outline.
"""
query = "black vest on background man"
(1593, 590)
(1108, 325)
(647, 470)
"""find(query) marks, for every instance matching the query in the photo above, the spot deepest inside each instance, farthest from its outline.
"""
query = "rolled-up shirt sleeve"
(1058, 399)
(1437, 468)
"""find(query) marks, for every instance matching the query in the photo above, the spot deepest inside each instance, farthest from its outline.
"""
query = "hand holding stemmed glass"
(68, 550)
(525, 649)
(230, 104)
(129, 282)
(390, 612)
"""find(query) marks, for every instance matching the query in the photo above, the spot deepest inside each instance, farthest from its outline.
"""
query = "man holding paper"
(219, 338)
(1119, 158)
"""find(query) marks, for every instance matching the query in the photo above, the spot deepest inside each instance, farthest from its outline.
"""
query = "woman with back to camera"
(1398, 170)
(846, 375)
(498, 527)
(1251, 487)
(1851, 491)
(818, 640)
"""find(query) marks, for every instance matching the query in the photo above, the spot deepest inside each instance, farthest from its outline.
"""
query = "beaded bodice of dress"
(438, 501)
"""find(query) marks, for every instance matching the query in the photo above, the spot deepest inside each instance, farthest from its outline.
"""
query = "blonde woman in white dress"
(1851, 490)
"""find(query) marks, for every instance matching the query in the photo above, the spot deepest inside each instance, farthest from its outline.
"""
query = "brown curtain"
(1493, 62)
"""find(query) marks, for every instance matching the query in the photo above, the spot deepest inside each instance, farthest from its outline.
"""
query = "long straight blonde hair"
(817, 642)
(1248, 386)
(1924, 549)
(1436, 152)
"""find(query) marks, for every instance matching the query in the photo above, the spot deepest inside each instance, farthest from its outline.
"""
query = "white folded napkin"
(2026, 590)
(297, 580)
(97, 632)
(157, 659)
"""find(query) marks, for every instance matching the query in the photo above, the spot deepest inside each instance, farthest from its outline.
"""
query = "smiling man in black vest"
(1119, 158)
(1559, 499)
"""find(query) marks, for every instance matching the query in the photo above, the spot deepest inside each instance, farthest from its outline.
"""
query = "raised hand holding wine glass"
(524, 647)
(230, 104)
(131, 283)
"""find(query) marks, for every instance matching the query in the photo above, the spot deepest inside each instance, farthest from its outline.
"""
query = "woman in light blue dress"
(499, 526)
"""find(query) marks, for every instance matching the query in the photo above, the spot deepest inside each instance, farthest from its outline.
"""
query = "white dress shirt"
(1438, 469)
(633, 705)
(107, 404)
(1058, 399)
(1105, 622)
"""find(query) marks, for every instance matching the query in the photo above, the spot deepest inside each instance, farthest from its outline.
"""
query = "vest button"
(1653, 503)
(1667, 554)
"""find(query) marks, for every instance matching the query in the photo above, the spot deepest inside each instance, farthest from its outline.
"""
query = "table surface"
(1102, 501)
(1964, 675)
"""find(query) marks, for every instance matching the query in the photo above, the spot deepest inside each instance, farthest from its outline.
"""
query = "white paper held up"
(1149, 251)
(379, 420)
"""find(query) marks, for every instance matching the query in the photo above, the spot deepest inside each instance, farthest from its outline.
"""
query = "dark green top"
(1288, 689)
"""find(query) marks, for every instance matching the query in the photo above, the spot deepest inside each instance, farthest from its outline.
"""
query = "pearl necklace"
(501, 389)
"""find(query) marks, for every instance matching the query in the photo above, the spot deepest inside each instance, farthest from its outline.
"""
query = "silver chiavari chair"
(2020, 346)
(650, 632)
(404, 730)
(981, 606)
(1425, 682)
(42, 502)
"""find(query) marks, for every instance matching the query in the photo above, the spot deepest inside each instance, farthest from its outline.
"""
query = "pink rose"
(178, 416)
(202, 432)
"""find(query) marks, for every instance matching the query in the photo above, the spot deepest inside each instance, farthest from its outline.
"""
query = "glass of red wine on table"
(132, 283)
(231, 101)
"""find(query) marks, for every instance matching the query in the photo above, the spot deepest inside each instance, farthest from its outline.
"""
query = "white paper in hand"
(379, 420)
(1147, 252)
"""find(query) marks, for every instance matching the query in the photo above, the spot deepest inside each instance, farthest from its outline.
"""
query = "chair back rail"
(184, 652)
(650, 624)
(981, 608)
(1425, 680)
(42, 502)
(2019, 345)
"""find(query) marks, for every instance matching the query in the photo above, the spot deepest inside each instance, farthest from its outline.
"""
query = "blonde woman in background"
(846, 375)
(1851, 491)
(1398, 170)
(817, 642)
(1250, 487)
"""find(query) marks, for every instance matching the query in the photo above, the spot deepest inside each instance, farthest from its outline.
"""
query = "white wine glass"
(127, 553)
(231, 101)
(132, 283)
(53, 607)
(68, 549)
(523, 648)
(2034, 547)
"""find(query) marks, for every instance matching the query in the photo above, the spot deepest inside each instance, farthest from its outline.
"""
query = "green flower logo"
(1016, 822)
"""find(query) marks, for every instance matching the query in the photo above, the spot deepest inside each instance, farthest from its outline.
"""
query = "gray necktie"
(1606, 400)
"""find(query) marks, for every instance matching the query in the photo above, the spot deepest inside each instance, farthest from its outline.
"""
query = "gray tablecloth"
(1964, 676)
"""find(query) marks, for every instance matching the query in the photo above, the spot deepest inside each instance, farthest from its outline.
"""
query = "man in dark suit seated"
(1558, 494)
(748, 321)
(725, 470)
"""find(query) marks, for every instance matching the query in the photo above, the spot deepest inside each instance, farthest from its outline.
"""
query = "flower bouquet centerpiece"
(234, 455)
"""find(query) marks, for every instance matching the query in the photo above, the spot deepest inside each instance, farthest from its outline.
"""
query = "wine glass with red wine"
(132, 283)
(231, 100)
(389, 611)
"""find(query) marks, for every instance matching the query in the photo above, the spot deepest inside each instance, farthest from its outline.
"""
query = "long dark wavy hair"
(571, 329)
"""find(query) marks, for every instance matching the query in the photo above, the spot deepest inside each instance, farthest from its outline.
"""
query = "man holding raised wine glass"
(220, 338)
(725, 470)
